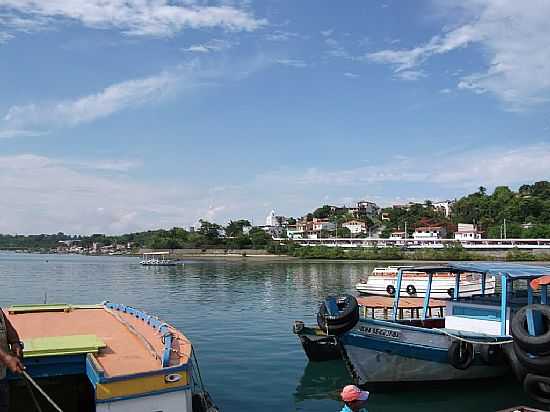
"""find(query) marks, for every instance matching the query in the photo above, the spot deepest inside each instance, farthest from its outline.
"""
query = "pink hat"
(353, 393)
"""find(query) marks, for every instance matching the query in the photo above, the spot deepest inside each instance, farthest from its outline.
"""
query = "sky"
(128, 115)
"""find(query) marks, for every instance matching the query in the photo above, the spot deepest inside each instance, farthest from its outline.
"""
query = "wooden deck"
(383, 306)
(132, 345)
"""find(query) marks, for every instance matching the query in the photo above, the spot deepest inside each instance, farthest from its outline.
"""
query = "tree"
(482, 190)
(235, 227)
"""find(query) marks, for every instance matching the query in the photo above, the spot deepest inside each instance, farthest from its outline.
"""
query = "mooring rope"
(39, 389)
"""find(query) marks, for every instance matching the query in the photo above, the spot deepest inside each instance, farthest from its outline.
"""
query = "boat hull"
(385, 352)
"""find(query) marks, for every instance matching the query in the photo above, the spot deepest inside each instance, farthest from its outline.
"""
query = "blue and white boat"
(466, 344)
(481, 336)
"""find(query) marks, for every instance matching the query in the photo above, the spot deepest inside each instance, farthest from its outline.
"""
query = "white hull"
(442, 286)
(179, 401)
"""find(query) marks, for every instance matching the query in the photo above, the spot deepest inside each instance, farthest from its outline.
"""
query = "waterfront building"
(356, 227)
(430, 232)
(467, 231)
(398, 235)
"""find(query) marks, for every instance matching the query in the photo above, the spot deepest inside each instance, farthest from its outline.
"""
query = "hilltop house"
(356, 227)
(467, 231)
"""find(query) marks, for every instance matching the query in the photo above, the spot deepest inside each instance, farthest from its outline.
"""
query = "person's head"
(354, 397)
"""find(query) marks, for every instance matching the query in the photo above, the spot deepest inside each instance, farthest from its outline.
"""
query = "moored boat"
(107, 357)
(383, 282)
(159, 259)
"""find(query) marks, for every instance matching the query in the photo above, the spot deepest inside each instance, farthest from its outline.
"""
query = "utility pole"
(504, 228)
(405, 229)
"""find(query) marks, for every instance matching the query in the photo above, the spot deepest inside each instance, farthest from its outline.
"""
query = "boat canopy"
(510, 270)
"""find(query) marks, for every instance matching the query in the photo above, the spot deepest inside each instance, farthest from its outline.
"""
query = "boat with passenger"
(106, 357)
(481, 336)
(383, 281)
(159, 259)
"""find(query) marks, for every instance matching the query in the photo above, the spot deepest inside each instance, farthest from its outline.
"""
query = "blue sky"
(119, 115)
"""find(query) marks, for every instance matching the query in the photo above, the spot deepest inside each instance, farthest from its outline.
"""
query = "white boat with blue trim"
(106, 358)
(383, 282)
(159, 259)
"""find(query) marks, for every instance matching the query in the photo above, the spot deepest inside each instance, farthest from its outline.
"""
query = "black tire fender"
(517, 367)
(492, 354)
(533, 363)
(537, 387)
(411, 290)
(346, 319)
(537, 345)
(461, 354)
(391, 290)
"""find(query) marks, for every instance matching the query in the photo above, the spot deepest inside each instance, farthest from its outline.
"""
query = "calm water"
(239, 316)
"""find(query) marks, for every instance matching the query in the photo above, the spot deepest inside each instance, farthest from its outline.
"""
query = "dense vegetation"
(526, 212)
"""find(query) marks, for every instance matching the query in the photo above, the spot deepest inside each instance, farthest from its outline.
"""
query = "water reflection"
(322, 380)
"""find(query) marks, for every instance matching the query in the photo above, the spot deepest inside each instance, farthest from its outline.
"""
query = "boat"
(159, 259)
(383, 282)
(481, 336)
(106, 357)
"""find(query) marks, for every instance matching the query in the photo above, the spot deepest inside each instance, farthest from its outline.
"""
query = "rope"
(39, 389)
(34, 400)
(502, 342)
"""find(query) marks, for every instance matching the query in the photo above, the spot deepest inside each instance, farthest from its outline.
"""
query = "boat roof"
(511, 270)
(156, 253)
(128, 341)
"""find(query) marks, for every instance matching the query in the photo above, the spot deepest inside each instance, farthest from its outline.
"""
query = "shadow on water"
(322, 380)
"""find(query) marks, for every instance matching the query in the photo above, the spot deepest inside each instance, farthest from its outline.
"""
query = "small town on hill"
(502, 214)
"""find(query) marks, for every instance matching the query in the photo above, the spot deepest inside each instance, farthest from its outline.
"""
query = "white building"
(365, 208)
(356, 227)
(444, 206)
(430, 232)
(397, 235)
(323, 224)
(467, 231)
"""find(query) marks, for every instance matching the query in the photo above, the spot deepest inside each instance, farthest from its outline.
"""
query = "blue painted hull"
(386, 352)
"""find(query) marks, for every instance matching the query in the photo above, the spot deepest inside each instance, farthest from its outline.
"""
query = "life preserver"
(533, 363)
(390, 289)
(537, 345)
(451, 292)
(536, 387)
(346, 318)
(461, 354)
(411, 290)
(492, 354)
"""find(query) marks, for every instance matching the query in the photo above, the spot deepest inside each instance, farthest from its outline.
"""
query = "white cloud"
(350, 75)
(410, 75)
(445, 91)
(4, 37)
(483, 167)
(327, 33)
(280, 35)
(213, 45)
(512, 35)
(292, 63)
(139, 18)
(32, 119)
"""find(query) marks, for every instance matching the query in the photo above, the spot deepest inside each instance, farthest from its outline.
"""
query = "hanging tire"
(533, 363)
(537, 387)
(411, 290)
(451, 292)
(391, 290)
(537, 345)
(346, 319)
(492, 354)
(517, 367)
(461, 354)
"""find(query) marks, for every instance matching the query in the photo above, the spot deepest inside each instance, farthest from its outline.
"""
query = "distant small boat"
(383, 281)
(159, 259)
